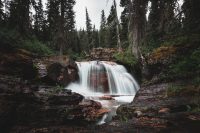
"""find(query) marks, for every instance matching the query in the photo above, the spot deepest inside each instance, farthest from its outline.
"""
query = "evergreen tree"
(71, 33)
(83, 40)
(137, 25)
(112, 28)
(95, 37)
(70, 15)
(161, 20)
(19, 16)
(191, 21)
(124, 23)
(1, 12)
(39, 20)
(103, 30)
(52, 21)
(89, 31)
(117, 27)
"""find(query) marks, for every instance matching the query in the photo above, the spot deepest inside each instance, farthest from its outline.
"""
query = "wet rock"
(88, 110)
(106, 98)
(63, 75)
(138, 113)
(68, 98)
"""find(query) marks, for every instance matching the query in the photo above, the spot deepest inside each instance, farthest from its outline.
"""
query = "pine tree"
(39, 20)
(83, 40)
(161, 21)
(124, 23)
(191, 9)
(52, 21)
(70, 15)
(95, 37)
(1, 12)
(71, 33)
(89, 31)
(118, 28)
(103, 30)
(112, 28)
(19, 16)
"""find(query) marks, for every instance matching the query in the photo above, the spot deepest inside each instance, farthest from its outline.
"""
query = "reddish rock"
(106, 98)
(164, 110)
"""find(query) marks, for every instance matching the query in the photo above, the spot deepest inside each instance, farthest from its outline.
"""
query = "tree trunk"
(118, 29)
(61, 29)
(137, 25)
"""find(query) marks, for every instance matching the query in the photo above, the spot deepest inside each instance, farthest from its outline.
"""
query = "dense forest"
(143, 26)
(157, 41)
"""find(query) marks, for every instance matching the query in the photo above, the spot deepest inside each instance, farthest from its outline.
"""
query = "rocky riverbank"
(29, 108)
(30, 104)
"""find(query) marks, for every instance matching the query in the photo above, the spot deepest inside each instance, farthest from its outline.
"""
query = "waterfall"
(103, 77)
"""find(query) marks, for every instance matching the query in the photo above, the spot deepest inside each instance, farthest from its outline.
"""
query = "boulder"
(19, 63)
(61, 74)
(88, 110)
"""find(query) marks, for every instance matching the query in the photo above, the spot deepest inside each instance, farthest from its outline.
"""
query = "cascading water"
(104, 77)
(100, 78)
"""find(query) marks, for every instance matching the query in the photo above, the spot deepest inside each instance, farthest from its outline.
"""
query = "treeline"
(39, 29)
(54, 27)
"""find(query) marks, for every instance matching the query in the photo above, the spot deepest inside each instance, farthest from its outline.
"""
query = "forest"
(42, 51)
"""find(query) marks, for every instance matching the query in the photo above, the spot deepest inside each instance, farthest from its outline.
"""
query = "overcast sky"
(94, 9)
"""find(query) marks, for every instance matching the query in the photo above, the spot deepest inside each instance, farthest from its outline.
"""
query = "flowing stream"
(105, 79)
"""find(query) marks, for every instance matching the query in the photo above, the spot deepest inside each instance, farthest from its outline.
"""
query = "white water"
(99, 78)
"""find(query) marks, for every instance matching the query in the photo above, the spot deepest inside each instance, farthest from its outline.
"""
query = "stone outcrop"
(17, 62)
(24, 104)
(57, 70)
(104, 54)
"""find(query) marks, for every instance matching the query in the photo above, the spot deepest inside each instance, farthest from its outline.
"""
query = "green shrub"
(10, 38)
(184, 64)
(36, 46)
(126, 57)
(13, 39)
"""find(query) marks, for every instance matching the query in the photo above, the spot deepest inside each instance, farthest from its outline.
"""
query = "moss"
(125, 58)
(162, 53)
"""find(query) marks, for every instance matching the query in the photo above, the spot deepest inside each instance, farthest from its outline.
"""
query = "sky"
(94, 9)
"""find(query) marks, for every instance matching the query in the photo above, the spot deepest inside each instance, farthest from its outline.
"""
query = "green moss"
(126, 58)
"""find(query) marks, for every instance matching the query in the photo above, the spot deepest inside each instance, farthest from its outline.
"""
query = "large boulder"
(62, 74)
(87, 110)
(19, 63)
